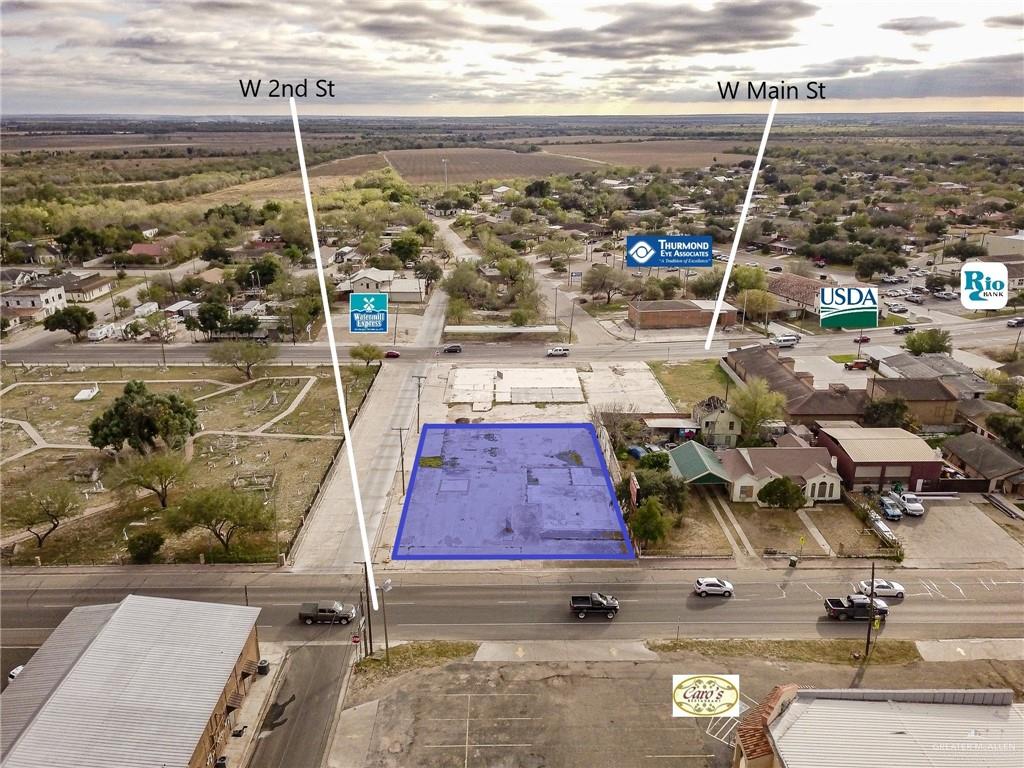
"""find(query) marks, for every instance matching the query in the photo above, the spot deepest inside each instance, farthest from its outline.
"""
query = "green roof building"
(697, 464)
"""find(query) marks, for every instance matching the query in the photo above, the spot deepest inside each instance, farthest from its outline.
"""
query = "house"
(1002, 246)
(37, 253)
(878, 457)
(750, 469)
(32, 302)
(929, 401)
(153, 252)
(719, 427)
(371, 280)
(919, 728)
(79, 287)
(146, 681)
(796, 290)
(678, 313)
(498, 193)
(803, 403)
(490, 274)
(15, 277)
(345, 254)
(785, 247)
(980, 457)
(697, 464)
(974, 413)
(407, 289)
(958, 378)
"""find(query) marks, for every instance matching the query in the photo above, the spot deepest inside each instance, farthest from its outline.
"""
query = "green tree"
(144, 547)
(655, 461)
(242, 324)
(407, 246)
(886, 412)
(756, 303)
(782, 493)
(210, 317)
(603, 279)
(139, 417)
(121, 306)
(648, 524)
(707, 284)
(368, 353)
(457, 311)
(558, 248)
(617, 221)
(243, 356)
(74, 319)
(746, 278)
(429, 272)
(930, 340)
(221, 511)
(964, 250)
(868, 264)
(157, 472)
(43, 509)
(755, 405)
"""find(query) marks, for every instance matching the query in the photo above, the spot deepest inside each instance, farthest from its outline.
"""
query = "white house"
(407, 289)
(371, 280)
(32, 302)
(499, 193)
(750, 469)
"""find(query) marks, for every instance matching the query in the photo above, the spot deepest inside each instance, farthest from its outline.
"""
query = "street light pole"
(401, 444)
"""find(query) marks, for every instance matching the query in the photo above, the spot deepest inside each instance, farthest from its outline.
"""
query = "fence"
(951, 485)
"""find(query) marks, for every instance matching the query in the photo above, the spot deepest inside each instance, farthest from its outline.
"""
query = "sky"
(508, 57)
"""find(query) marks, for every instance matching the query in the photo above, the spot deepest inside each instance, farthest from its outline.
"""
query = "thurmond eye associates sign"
(668, 251)
(852, 306)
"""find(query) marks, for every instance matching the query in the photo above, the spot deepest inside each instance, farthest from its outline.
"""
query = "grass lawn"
(698, 535)
(843, 530)
(689, 383)
(57, 374)
(316, 414)
(891, 320)
(842, 358)
(815, 651)
(13, 439)
(246, 408)
(598, 308)
(990, 313)
(778, 529)
(54, 464)
(409, 656)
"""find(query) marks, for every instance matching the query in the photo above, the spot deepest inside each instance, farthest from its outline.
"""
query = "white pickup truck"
(910, 503)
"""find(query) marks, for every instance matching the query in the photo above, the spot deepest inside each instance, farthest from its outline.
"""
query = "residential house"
(146, 681)
(878, 457)
(980, 457)
(785, 247)
(918, 728)
(930, 402)
(678, 313)
(33, 302)
(371, 280)
(46, 252)
(958, 378)
(79, 287)
(697, 464)
(750, 469)
(975, 413)
(797, 291)
(498, 193)
(407, 289)
(15, 277)
(155, 251)
(719, 427)
(803, 403)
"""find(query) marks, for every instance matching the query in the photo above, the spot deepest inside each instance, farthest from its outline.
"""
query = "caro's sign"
(705, 695)
(849, 307)
(984, 285)
(668, 251)
(368, 313)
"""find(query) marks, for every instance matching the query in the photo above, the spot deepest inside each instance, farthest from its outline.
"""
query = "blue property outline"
(627, 555)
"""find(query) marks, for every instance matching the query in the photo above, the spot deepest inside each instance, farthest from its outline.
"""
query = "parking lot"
(955, 534)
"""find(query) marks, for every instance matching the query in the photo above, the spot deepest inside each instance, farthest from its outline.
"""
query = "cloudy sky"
(501, 57)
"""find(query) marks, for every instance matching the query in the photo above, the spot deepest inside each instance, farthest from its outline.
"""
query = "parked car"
(929, 263)
(558, 352)
(453, 348)
(856, 365)
(855, 607)
(330, 612)
(15, 672)
(915, 299)
(710, 585)
(636, 451)
(775, 268)
(820, 263)
(595, 602)
(890, 509)
(861, 339)
(1015, 322)
(883, 588)
(910, 503)
(392, 353)
(900, 330)
(898, 309)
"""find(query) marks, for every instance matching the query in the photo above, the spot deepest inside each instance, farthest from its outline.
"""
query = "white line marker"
(343, 411)
(739, 225)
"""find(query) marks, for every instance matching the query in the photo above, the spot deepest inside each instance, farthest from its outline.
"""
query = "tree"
(964, 250)
(457, 311)
(368, 353)
(930, 340)
(886, 412)
(242, 355)
(867, 264)
(655, 461)
(74, 319)
(121, 305)
(210, 317)
(143, 547)
(407, 246)
(221, 511)
(558, 248)
(1010, 428)
(603, 279)
(242, 324)
(782, 493)
(648, 523)
(538, 188)
(429, 272)
(755, 405)
(139, 417)
(49, 506)
(158, 472)
(744, 278)
(756, 303)
(707, 284)
(617, 221)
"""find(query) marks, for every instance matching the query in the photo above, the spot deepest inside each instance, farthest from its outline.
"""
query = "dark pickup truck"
(330, 612)
(855, 607)
(595, 602)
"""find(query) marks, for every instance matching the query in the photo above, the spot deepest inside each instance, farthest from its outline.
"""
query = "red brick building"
(678, 313)
(877, 457)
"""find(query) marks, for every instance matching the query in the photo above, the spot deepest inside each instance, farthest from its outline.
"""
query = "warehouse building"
(678, 313)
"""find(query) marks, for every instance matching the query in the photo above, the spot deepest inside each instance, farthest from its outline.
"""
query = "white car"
(558, 352)
(895, 294)
(709, 585)
(883, 588)
(911, 504)
(15, 672)
(898, 309)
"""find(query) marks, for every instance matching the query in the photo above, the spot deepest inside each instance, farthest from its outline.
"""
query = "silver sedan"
(883, 588)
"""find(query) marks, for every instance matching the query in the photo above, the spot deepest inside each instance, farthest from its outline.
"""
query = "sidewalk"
(239, 749)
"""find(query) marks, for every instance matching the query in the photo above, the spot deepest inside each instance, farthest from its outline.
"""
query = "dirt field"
(423, 166)
(670, 153)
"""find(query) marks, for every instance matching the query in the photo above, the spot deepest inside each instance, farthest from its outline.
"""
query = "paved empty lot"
(954, 534)
(625, 385)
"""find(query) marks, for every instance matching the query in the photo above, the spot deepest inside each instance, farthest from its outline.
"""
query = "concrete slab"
(826, 371)
(565, 650)
(514, 385)
(1004, 649)
(352, 736)
(625, 385)
(974, 360)
(955, 535)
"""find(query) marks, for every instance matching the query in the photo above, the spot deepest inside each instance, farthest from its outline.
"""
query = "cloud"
(1015, 21)
(852, 65)
(992, 76)
(918, 25)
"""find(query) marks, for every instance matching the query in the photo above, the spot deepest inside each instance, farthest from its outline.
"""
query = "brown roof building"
(678, 313)
(929, 401)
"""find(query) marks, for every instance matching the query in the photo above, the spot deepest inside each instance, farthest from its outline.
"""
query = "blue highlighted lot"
(510, 492)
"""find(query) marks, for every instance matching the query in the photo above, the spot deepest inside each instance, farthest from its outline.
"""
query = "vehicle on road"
(1015, 322)
(861, 339)
(558, 352)
(883, 588)
(711, 585)
(329, 612)
(908, 502)
(784, 341)
(890, 509)
(775, 268)
(856, 365)
(595, 602)
(452, 348)
(392, 353)
(855, 607)
(900, 330)
(15, 672)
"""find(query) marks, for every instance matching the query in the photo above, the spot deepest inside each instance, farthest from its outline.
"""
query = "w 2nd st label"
(279, 89)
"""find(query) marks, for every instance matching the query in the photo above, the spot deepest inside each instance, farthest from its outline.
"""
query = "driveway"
(956, 534)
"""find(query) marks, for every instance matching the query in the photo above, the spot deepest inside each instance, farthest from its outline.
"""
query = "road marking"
(812, 589)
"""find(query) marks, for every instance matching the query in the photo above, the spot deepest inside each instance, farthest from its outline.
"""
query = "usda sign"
(853, 307)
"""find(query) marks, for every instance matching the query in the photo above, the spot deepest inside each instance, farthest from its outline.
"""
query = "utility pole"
(871, 613)
(419, 392)
(444, 162)
(556, 306)
(363, 603)
(572, 315)
(383, 589)
(401, 444)
(369, 622)
(1017, 343)
(395, 340)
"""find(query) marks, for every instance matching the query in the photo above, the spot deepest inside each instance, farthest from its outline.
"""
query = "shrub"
(143, 547)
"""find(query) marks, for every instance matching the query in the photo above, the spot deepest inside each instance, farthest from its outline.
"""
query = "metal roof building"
(137, 683)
